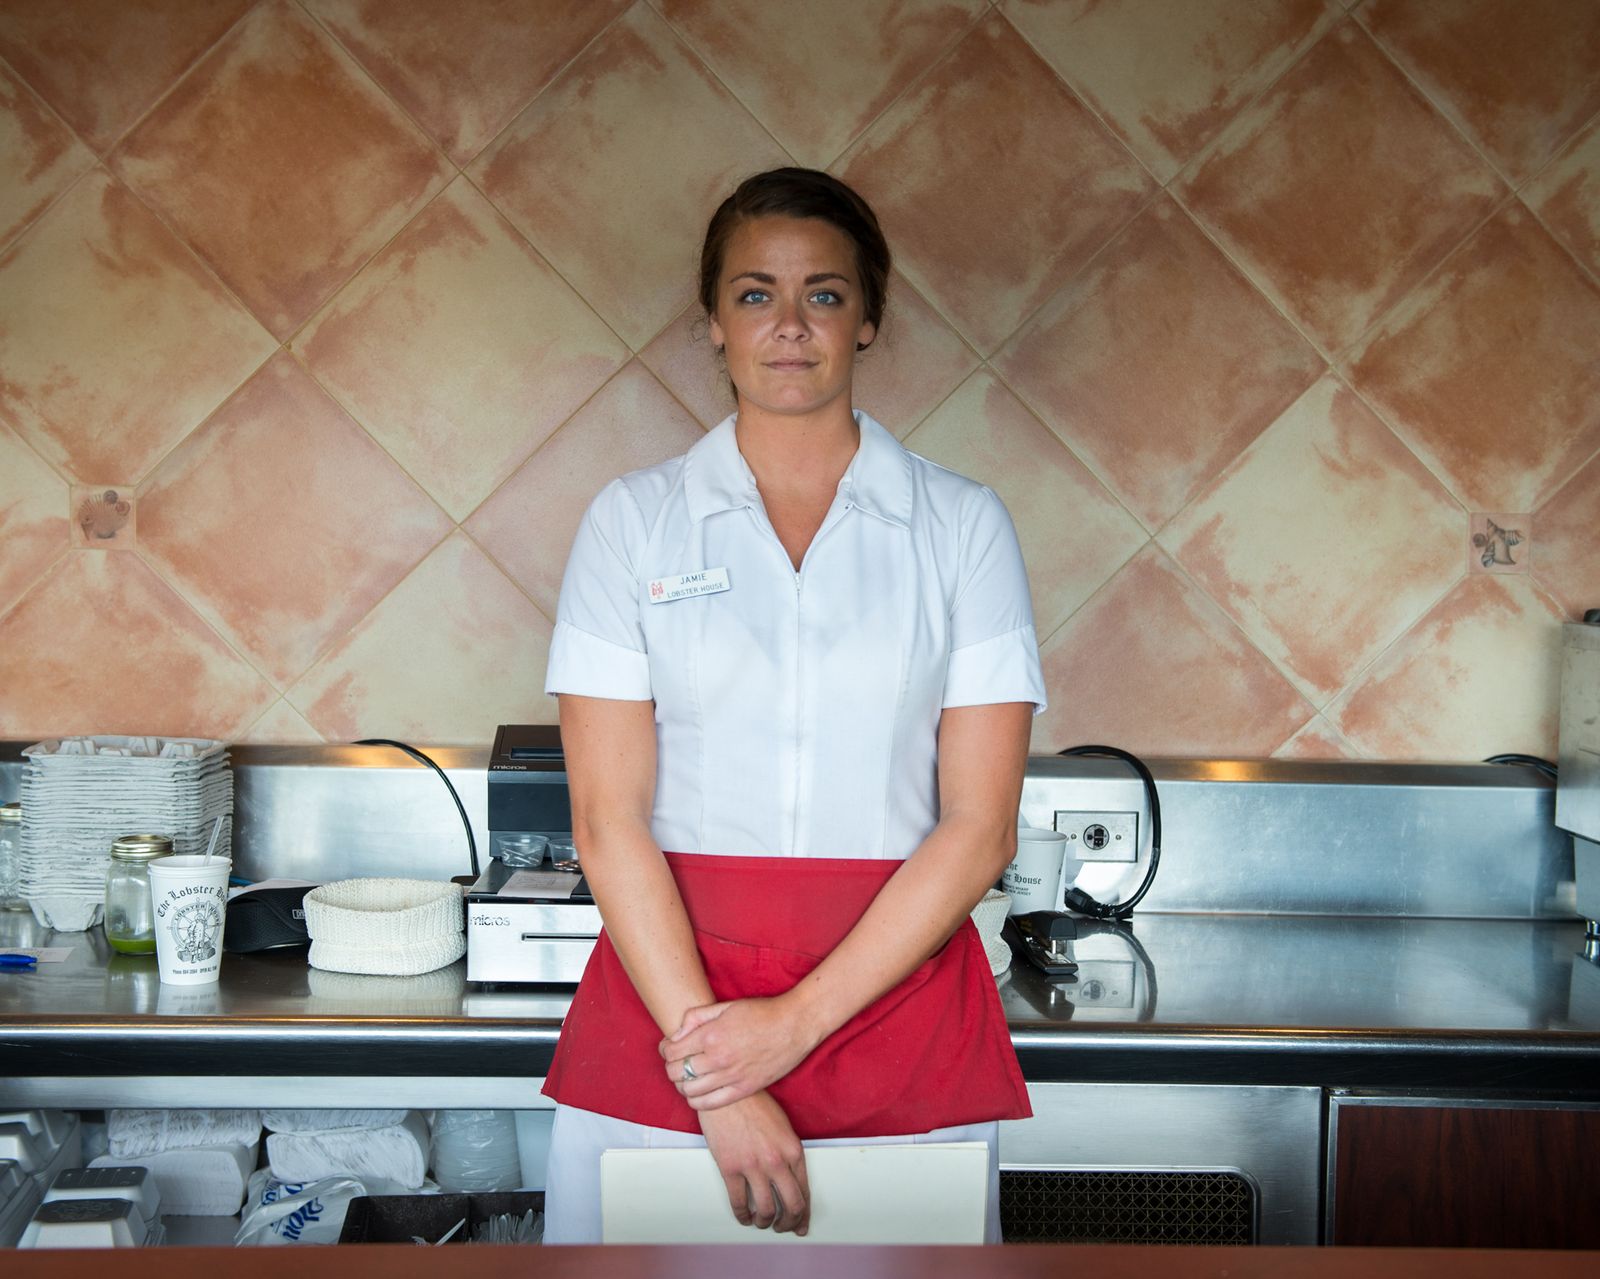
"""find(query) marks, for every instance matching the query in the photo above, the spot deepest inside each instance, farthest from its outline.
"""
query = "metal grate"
(1057, 1206)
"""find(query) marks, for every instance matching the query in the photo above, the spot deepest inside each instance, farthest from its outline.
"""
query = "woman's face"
(790, 314)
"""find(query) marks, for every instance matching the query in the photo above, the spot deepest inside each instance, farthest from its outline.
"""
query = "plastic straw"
(216, 833)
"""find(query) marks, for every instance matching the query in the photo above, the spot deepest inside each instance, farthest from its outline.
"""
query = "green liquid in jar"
(133, 945)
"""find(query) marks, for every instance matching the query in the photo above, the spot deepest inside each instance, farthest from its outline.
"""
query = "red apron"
(934, 1052)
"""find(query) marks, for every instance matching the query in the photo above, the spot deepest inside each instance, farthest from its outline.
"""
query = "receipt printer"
(528, 923)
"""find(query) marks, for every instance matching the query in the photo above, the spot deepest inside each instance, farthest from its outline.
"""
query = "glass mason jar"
(11, 897)
(130, 918)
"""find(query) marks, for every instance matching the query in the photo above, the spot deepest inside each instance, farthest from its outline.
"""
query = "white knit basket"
(392, 927)
(989, 917)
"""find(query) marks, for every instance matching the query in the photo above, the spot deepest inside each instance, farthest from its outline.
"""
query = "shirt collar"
(878, 479)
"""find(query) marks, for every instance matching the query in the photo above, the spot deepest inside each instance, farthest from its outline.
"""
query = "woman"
(796, 669)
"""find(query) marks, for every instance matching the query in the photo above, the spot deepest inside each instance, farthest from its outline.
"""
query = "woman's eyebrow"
(763, 277)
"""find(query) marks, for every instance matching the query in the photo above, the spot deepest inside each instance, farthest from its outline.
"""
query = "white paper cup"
(1033, 879)
(189, 898)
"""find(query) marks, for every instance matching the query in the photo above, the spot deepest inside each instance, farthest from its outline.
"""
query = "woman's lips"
(791, 366)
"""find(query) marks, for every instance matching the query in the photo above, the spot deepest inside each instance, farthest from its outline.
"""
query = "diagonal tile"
(994, 183)
(681, 356)
(1168, 77)
(1517, 76)
(817, 82)
(282, 522)
(614, 170)
(1318, 739)
(1566, 551)
(1488, 371)
(103, 645)
(281, 725)
(34, 530)
(1073, 533)
(464, 69)
(1340, 188)
(455, 613)
(1159, 363)
(528, 526)
(1479, 674)
(913, 364)
(39, 156)
(1566, 196)
(916, 360)
(102, 64)
(460, 349)
(282, 164)
(114, 340)
(1151, 665)
(1324, 541)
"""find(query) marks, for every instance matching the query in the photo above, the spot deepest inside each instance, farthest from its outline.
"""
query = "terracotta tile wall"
(1273, 321)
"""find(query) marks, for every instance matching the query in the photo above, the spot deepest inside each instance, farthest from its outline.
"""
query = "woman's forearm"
(913, 915)
(644, 916)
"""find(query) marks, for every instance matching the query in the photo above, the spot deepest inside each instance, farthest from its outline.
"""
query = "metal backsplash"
(1342, 838)
(1246, 836)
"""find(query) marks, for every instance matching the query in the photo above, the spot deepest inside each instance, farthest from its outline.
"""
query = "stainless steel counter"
(1476, 1005)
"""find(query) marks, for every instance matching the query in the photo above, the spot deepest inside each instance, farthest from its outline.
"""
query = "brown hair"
(801, 193)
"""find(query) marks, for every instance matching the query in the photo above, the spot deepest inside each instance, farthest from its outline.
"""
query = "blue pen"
(18, 961)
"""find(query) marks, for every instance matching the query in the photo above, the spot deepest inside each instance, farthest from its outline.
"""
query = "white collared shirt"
(797, 713)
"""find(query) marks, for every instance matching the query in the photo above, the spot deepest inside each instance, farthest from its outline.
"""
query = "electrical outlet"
(1100, 837)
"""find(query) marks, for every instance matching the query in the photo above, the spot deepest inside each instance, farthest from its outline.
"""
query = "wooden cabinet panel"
(1466, 1176)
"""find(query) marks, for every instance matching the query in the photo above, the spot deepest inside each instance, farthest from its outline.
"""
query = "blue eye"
(753, 295)
(827, 297)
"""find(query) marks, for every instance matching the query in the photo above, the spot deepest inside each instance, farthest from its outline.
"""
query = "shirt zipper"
(799, 651)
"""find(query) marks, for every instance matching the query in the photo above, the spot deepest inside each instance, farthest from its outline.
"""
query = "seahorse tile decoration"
(1500, 543)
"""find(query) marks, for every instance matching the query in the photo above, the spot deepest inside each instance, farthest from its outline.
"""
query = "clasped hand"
(735, 1049)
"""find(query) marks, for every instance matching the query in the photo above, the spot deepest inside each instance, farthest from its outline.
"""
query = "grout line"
(48, 571)
(218, 627)
(1110, 130)
(495, 139)
(1203, 154)
(510, 577)
(182, 75)
(1145, 206)
(935, 60)
(360, 68)
(559, 428)
(1360, 675)
(30, 222)
(1442, 108)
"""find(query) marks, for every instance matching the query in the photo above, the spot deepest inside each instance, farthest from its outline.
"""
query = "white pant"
(572, 1178)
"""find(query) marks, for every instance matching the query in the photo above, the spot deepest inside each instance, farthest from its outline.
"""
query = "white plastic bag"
(278, 1212)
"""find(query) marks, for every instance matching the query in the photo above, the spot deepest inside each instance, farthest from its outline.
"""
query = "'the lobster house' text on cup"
(190, 897)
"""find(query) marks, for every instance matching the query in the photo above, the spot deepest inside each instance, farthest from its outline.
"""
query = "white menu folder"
(895, 1194)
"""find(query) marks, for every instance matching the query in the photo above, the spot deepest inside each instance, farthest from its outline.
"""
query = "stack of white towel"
(201, 1159)
(377, 1147)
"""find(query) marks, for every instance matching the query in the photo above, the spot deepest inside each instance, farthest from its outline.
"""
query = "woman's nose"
(792, 321)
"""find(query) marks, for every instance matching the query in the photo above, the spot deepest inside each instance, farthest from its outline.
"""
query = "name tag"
(708, 581)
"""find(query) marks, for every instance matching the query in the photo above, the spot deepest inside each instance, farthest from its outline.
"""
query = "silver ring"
(688, 1070)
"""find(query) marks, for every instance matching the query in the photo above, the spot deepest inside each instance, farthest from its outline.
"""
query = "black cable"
(472, 844)
(1076, 898)
(1532, 761)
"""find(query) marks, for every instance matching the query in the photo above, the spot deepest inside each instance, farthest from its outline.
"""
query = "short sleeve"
(994, 652)
(598, 649)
